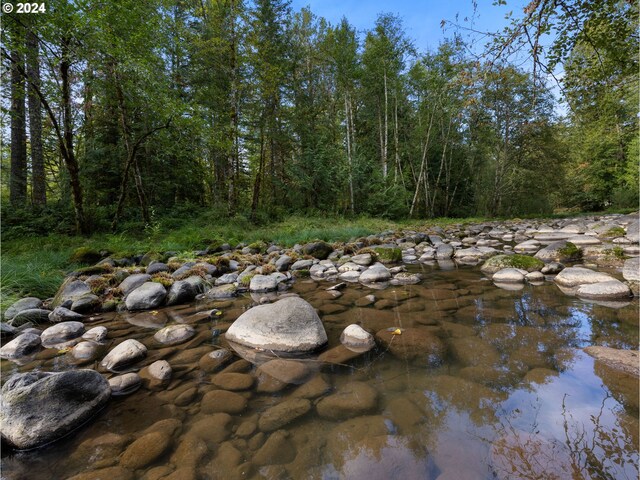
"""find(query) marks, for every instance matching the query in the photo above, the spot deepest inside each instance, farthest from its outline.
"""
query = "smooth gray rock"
(96, 334)
(319, 250)
(20, 346)
(124, 384)
(61, 314)
(364, 259)
(288, 325)
(126, 353)
(27, 303)
(633, 231)
(227, 278)
(174, 334)
(302, 265)
(263, 283)
(147, 296)
(609, 290)
(552, 268)
(356, 337)
(375, 273)
(534, 277)
(86, 303)
(444, 251)
(61, 332)
(198, 283)
(553, 252)
(157, 267)
(222, 291)
(631, 269)
(35, 316)
(70, 291)
(283, 263)
(509, 275)
(37, 408)
(574, 276)
(180, 292)
(132, 282)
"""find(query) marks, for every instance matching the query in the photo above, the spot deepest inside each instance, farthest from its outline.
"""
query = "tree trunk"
(18, 175)
(349, 154)
(256, 184)
(385, 140)
(38, 182)
(67, 146)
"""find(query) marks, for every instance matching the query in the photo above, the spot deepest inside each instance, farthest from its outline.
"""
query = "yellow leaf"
(397, 331)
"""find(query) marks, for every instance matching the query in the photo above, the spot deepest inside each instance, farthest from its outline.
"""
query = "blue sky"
(421, 18)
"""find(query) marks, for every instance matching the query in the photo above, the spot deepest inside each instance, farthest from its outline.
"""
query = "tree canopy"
(123, 111)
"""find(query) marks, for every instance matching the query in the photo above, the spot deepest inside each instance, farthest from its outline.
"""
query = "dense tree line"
(125, 109)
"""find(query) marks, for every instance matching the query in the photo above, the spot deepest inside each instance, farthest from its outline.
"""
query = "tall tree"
(38, 177)
(18, 174)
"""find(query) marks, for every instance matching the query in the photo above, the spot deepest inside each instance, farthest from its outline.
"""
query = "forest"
(116, 114)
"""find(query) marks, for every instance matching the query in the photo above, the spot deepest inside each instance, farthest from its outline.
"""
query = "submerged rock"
(354, 336)
(126, 353)
(288, 325)
(623, 360)
(37, 408)
(356, 398)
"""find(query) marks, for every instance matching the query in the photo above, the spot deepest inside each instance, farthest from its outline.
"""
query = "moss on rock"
(524, 262)
(388, 254)
(85, 255)
(570, 252)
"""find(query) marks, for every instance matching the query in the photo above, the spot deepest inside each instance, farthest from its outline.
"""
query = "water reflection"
(481, 383)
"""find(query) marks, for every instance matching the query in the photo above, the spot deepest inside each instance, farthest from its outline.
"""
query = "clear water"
(514, 396)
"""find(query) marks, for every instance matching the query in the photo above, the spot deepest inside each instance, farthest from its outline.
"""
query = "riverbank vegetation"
(125, 112)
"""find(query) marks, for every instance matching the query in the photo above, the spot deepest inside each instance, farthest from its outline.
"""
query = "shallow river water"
(512, 396)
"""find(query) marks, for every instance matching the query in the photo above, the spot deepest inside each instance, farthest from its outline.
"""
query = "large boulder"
(575, 276)
(560, 251)
(146, 296)
(37, 408)
(70, 291)
(22, 304)
(288, 325)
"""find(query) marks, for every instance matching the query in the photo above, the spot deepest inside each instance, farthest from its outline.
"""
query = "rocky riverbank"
(592, 258)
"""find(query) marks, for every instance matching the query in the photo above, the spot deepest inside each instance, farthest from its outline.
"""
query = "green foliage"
(615, 232)
(388, 254)
(570, 251)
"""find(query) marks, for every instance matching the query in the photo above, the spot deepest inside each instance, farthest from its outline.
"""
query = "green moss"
(570, 251)
(301, 273)
(100, 285)
(617, 252)
(163, 278)
(615, 232)
(388, 254)
(246, 280)
(524, 262)
(151, 257)
(95, 270)
(85, 255)
(258, 246)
